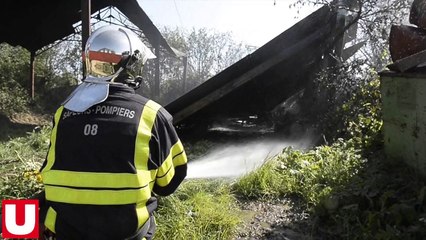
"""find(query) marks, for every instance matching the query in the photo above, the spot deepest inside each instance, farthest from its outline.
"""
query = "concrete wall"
(404, 118)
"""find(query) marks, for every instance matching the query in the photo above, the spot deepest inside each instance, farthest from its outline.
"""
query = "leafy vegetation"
(205, 53)
(13, 65)
(20, 162)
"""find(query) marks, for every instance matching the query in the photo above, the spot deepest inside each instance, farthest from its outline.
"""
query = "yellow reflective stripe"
(180, 159)
(167, 169)
(143, 137)
(152, 175)
(51, 153)
(98, 179)
(164, 180)
(151, 184)
(50, 219)
(167, 164)
(142, 213)
(97, 197)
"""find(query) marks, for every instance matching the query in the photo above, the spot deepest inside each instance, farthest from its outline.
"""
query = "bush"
(363, 116)
(13, 99)
(312, 175)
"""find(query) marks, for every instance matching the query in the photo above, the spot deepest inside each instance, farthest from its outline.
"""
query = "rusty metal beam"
(406, 40)
(418, 13)
(409, 62)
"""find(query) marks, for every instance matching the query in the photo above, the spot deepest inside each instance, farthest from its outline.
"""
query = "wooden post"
(86, 13)
(32, 75)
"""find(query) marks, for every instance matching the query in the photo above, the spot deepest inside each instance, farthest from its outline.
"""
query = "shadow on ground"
(19, 125)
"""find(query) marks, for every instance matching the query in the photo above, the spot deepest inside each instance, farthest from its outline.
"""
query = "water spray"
(235, 160)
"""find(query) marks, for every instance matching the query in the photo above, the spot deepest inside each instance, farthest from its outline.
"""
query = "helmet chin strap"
(137, 82)
(134, 83)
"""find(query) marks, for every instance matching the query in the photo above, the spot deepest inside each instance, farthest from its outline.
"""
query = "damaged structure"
(274, 75)
(268, 81)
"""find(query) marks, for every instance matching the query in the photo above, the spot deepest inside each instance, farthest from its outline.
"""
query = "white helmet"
(111, 52)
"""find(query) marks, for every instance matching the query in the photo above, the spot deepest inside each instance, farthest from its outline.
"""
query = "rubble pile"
(407, 43)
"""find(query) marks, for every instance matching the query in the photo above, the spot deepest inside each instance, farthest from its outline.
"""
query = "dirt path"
(29, 119)
(278, 219)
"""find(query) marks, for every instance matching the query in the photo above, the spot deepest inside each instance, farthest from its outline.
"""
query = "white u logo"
(10, 219)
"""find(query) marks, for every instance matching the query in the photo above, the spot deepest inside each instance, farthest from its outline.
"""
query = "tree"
(374, 20)
(208, 52)
(14, 73)
(58, 69)
(56, 72)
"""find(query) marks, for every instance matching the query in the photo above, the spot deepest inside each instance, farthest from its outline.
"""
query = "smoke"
(234, 160)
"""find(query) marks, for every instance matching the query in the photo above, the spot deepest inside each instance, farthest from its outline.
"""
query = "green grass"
(20, 161)
(265, 182)
(200, 209)
(311, 175)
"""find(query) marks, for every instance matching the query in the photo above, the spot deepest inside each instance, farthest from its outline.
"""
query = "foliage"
(337, 84)
(311, 175)
(12, 99)
(200, 209)
(22, 181)
(13, 68)
(354, 109)
(207, 53)
(351, 189)
(21, 160)
(321, 171)
(265, 182)
(54, 69)
(386, 200)
(362, 116)
(375, 19)
(57, 72)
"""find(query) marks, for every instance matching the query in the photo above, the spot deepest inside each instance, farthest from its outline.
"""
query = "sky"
(254, 22)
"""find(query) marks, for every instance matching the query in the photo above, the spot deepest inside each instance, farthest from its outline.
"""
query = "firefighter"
(111, 150)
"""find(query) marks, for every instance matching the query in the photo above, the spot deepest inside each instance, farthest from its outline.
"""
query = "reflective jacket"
(103, 164)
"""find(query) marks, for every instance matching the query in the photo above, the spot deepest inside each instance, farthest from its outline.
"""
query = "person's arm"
(166, 146)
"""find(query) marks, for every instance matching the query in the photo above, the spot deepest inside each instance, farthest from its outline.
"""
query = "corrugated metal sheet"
(35, 24)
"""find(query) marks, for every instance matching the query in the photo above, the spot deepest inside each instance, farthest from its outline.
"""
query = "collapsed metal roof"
(36, 24)
(267, 77)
